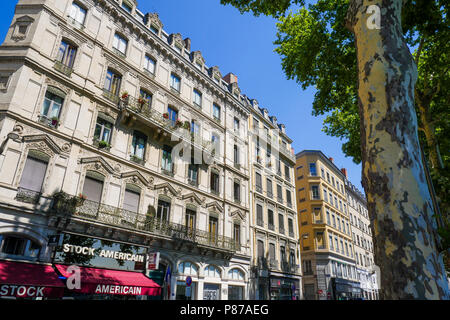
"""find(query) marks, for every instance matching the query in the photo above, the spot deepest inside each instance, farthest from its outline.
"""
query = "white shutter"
(131, 201)
(92, 189)
(33, 174)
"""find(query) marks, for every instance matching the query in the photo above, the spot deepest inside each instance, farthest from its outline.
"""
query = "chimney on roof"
(187, 43)
(230, 78)
(331, 159)
(344, 171)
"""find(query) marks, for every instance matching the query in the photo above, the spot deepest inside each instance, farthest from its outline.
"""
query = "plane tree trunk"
(399, 200)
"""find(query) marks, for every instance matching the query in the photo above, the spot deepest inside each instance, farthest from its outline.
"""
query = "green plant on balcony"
(136, 159)
(103, 144)
(178, 123)
(187, 125)
(80, 199)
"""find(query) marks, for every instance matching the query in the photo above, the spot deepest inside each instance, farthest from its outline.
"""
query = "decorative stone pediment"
(215, 72)
(214, 207)
(166, 187)
(176, 38)
(97, 164)
(135, 177)
(234, 88)
(191, 197)
(43, 143)
(153, 19)
(197, 56)
(238, 214)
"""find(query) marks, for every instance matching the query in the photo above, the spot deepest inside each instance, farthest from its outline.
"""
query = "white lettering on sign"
(112, 289)
(21, 291)
(74, 281)
(103, 253)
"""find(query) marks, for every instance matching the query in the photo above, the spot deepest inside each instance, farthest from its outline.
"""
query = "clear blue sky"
(242, 44)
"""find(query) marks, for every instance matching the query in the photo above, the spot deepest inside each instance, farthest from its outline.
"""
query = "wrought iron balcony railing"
(260, 222)
(28, 196)
(63, 68)
(64, 204)
(273, 264)
(111, 96)
(142, 108)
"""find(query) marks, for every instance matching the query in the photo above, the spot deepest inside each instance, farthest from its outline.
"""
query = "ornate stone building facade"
(115, 132)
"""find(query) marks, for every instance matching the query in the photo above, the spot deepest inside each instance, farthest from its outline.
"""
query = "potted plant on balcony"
(80, 199)
(178, 123)
(187, 125)
(166, 115)
(125, 95)
(103, 144)
(54, 121)
(258, 159)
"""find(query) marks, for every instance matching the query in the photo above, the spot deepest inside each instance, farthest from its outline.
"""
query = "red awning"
(105, 281)
(21, 279)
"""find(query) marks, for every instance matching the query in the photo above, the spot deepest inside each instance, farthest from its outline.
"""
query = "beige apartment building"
(276, 272)
(327, 250)
(119, 143)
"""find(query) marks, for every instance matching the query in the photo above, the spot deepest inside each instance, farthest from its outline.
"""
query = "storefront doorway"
(211, 291)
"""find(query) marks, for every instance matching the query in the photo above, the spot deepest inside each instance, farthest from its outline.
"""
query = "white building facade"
(367, 271)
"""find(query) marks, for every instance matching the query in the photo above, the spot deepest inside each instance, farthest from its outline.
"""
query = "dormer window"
(178, 48)
(199, 65)
(154, 29)
(128, 7)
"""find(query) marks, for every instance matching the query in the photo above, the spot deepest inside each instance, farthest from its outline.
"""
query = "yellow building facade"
(326, 246)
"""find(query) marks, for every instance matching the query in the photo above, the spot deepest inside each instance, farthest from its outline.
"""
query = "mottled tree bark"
(399, 200)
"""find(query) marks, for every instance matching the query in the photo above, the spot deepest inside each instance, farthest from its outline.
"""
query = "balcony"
(27, 196)
(281, 230)
(111, 96)
(177, 129)
(51, 122)
(271, 226)
(137, 159)
(291, 234)
(90, 211)
(100, 144)
(259, 189)
(119, 53)
(63, 68)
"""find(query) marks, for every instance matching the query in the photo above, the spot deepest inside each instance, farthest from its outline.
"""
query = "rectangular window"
(66, 54)
(312, 169)
(236, 154)
(33, 174)
(77, 13)
(216, 111)
(51, 107)
(260, 249)
(93, 189)
(237, 234)
(175, 82)
(214, 182)
(131, 201)
(103, 130)
(330, 242)
(193, 172)
(271, 251)
(328, 218)
(281, 223)
(315, 193)
(163, 211)
(166, 163)
(146, 98)
(269, 188)
(287, 174)
(150, 64)
(237, 191)
(138, 145)
(213, 228)
(270, 219)
(173, 115)
(279, 193)
(291, 227)
(120, 43)
(190, 219)
(112, 82)
(197, 98)
(258, 182)
(259, 215)
(325, 195)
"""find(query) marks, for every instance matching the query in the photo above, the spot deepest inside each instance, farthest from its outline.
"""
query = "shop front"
(345, 289)
(30, 281)
(102, 270)
(283, 289)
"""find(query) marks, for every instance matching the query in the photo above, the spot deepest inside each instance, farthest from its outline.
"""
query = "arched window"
(18, 246)
(212, 272)
(188, 268)
(236, 274)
